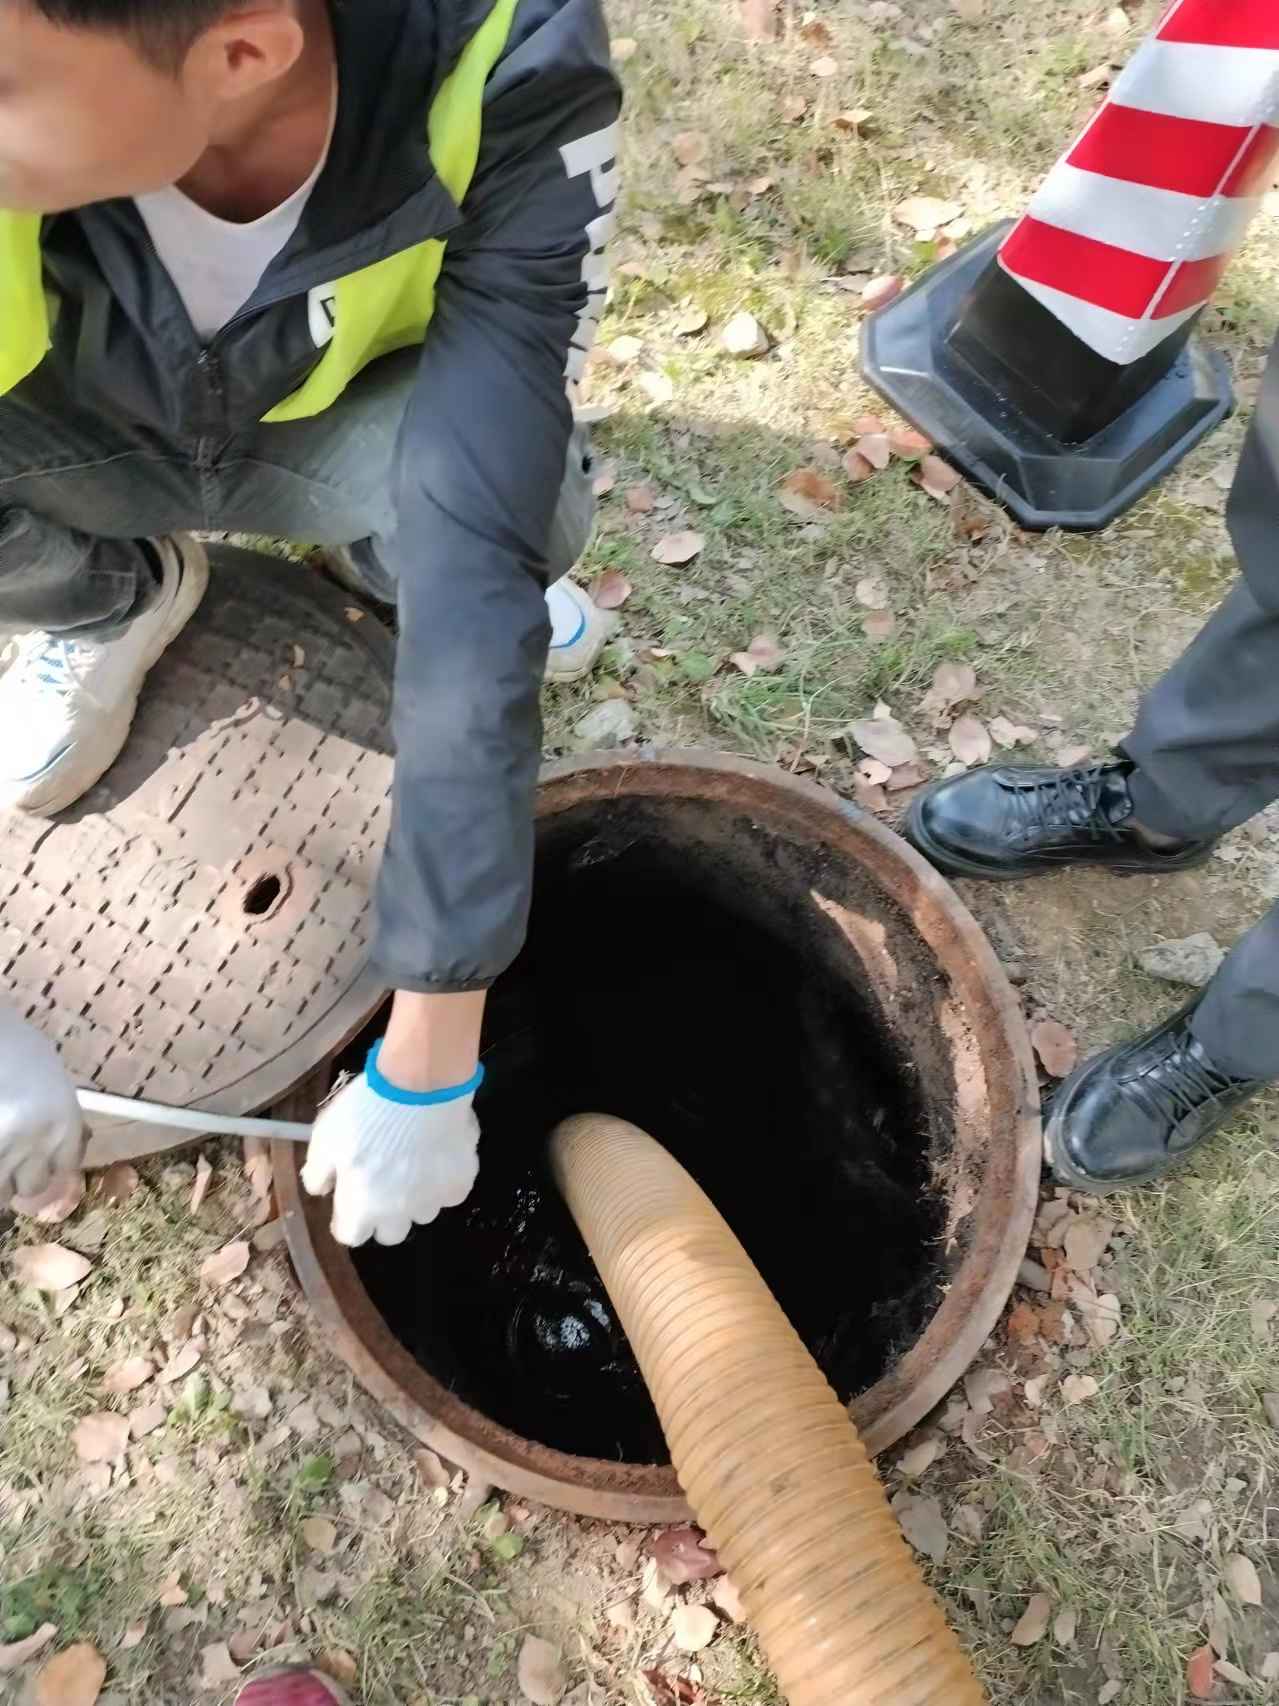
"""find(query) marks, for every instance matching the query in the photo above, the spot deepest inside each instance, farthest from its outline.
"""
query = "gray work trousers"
(79, 488)
(1206, 744)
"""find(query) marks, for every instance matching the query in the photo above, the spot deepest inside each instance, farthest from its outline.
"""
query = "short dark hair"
(162, 29)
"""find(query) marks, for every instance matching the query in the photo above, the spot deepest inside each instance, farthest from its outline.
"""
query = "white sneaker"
(579, 631)
(67, 704)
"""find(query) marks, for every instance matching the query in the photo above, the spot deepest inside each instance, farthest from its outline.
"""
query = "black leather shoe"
(1131, 1114)
(1010, 821)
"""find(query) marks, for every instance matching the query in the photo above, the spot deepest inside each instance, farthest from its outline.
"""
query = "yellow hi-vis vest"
(380, 308)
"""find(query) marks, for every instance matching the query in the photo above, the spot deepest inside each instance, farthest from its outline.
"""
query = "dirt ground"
(1097, 1503)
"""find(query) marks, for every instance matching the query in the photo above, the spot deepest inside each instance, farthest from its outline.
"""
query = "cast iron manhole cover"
(195, 930)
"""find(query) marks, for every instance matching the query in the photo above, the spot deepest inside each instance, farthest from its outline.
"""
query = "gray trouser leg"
(1237, 1020)
(1206, 740)
(1206, 745)
(77, 491)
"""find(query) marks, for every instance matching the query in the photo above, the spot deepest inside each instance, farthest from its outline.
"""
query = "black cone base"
(910, 357)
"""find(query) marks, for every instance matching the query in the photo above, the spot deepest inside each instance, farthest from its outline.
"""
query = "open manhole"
(781, 992)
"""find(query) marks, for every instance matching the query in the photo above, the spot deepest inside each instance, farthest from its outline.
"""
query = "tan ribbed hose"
(764, 1451)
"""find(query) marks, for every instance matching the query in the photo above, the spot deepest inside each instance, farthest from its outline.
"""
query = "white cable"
(191, 1119)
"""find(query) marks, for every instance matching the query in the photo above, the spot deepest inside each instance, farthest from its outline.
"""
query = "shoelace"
(1072, 798)
(51, 661)
(1193, 1084)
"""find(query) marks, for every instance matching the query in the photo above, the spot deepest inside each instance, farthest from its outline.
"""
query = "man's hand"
(41, 1127)
(401, 1141)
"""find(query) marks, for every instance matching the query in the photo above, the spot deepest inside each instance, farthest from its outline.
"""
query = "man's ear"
(244, 51)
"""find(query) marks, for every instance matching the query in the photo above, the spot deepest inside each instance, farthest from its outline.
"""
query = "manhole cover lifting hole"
(195, 931)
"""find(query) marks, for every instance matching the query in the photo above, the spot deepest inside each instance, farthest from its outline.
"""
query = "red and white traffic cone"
(1054, 362)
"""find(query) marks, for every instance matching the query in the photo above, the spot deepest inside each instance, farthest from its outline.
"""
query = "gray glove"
(42, 1130)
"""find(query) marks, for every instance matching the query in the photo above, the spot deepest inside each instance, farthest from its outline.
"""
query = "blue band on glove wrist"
(389, 1092)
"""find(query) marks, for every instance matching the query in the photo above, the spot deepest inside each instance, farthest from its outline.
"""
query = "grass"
(1171, 1467)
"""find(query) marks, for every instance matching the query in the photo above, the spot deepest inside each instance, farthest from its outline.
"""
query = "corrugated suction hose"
(764, 1450)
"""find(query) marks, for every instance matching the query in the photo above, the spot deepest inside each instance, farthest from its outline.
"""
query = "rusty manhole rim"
(979, 1287)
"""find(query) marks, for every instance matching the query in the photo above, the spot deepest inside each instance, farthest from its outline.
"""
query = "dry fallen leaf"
(1241, 1573)
(920, 1458)
(936, 477)
(857, 467)
(882, 290)
(969, 740)
(1023, 1324)
(817, 34)
(259, 1172)
(971, 11)
(217, 1667)
(825, 66)
(682, 1555)
(953, 683)
(1033, 1623)
(56, 1203)
(1009, 734)
(183, 1360)
(925, 213)
(744, 336)
(1201, 1675)
(1087, 1236)
(431, 1467)
(793, 108)
(20, 1652)
(874, 446)
(872, 592)
(852, 119)
(340, 1665)
(625, 349)
(128, 1375)
(1055, 1046)
(885, 739)
(759, 21)
(226, 1264)
(640, 500)
(923, 1525)
(908, 444)
(1100, 1315)
(677, 548)
(906, 776)
(1079, 1388)
(200, 1189)
(1065, 1626)
(73, 1678)
(119, 1182)
(611, 590)
(693, 1627)
(690, 147)
(146, 1420)
(809, 493)
(762, 653)
(624, 48)
(49, 1267)
(101, 1438)
(879, 625)
(320, 1534)
(540, 1672)
(691, 321)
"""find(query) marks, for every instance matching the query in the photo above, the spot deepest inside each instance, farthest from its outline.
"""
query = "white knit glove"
(392, 1158)
(41, 1126)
